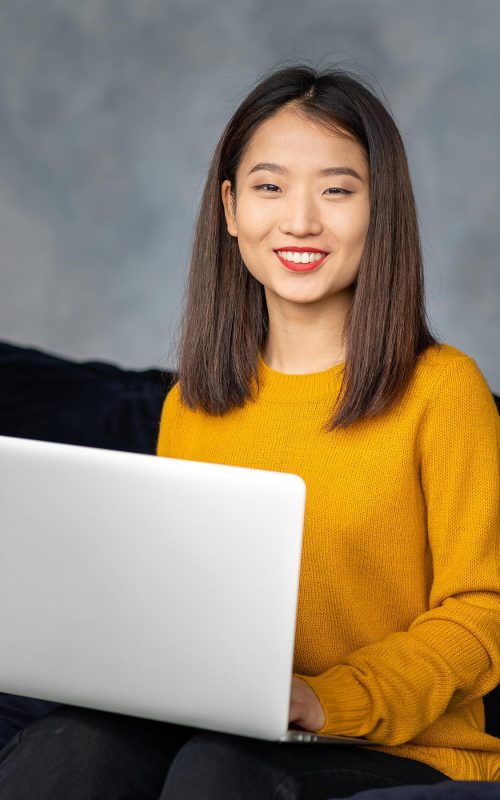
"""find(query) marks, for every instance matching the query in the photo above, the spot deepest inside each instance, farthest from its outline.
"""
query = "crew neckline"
(296, 387)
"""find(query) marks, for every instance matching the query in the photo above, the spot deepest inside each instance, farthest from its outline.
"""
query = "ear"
(227, 202)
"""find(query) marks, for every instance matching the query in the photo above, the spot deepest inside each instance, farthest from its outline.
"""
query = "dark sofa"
(43, 396)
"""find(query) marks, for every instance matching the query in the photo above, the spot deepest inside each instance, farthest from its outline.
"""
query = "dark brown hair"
(225, 319)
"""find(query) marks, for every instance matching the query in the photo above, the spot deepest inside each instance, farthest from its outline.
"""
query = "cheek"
(254, 229)
(352, 225)
(252, 219)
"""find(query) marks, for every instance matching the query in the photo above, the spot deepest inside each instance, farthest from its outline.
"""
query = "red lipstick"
(290, 265)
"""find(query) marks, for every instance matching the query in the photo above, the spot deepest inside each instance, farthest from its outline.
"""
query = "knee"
(79, 735)
(214, 765)
(66, 723)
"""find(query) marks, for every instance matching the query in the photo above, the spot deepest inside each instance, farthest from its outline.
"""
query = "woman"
(305, 349)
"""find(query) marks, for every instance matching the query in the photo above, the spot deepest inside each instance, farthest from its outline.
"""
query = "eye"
(337, 190)
(263, 185)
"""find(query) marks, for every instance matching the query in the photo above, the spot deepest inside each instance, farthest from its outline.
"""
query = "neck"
(305, 338)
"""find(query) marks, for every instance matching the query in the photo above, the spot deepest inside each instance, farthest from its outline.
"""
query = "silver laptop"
(156, 587)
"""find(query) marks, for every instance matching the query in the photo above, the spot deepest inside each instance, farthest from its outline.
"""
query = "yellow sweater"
(398, 621)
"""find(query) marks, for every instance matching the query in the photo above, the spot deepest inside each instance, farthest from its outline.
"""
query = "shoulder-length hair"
(225, 321)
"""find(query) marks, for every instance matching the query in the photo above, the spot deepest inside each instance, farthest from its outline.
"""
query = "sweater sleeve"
(391, 690)
(163, 446)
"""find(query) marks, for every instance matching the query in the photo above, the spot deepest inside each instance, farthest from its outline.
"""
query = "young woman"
(304, 348)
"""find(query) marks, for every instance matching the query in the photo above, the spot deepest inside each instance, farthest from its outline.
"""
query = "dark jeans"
(79, 754)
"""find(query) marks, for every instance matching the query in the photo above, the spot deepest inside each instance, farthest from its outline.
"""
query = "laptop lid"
(156, 587)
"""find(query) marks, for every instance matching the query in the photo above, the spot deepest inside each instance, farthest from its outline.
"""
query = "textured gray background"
(109, 112)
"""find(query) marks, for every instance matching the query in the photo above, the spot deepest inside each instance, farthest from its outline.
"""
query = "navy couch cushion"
(89, 403)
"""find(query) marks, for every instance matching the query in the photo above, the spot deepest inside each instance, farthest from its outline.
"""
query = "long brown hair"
(225, 320)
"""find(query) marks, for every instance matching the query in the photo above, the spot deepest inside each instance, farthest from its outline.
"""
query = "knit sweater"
(398, 617)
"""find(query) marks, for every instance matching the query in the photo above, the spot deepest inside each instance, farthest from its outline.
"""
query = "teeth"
(300, 258)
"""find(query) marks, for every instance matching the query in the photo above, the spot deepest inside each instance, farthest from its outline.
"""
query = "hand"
(305, 708)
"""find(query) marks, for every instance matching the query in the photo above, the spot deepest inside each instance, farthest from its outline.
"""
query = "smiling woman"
(305, 348)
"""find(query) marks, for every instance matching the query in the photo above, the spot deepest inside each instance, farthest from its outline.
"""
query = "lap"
(81, 754)
(249, 769)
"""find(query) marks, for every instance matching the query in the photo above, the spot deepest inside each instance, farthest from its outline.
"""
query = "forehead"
(299, 143)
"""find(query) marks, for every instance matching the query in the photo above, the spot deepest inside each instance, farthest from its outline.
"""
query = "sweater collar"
(290, 388)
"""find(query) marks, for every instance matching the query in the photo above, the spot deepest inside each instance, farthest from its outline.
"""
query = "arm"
(163, 446)
(390, 690)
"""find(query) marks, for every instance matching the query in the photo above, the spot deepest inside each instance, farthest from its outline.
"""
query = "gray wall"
(109, 112)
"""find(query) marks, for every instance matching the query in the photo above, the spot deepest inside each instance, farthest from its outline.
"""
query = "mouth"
(308, 266)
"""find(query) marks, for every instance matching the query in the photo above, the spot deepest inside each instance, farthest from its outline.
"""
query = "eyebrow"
(279, 170)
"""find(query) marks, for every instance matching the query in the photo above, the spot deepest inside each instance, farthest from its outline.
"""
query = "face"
(296, 206)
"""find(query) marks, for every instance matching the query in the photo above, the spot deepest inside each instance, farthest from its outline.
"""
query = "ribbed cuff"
(345, 701)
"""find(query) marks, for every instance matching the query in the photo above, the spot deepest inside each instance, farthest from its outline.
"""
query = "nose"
(301, 216)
